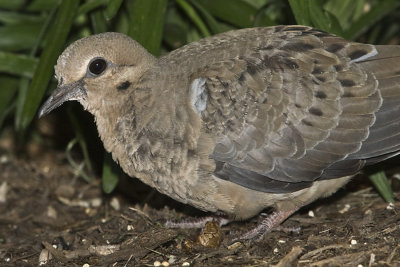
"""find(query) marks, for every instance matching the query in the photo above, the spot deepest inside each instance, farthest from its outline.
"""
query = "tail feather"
(384, 135)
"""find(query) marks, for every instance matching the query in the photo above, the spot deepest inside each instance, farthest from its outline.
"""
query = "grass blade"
(42, 5)
(192, 14)
(147, 22)
(301, 11)
(210, 20)
(377, 12)
(16, 64)
(9, 86)
(57, 36)
(110, 174)
(112, 8)
(99, 23)
(381, 183)
(90, 5)
(13, 5)
(239, 14)
(9, 17)
(20, 36)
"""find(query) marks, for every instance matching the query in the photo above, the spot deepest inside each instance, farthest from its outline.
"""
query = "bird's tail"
(384, 138)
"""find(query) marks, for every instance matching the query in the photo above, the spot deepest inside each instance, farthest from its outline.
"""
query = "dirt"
(48, 216)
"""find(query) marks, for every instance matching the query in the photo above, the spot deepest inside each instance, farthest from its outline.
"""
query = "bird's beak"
(63, 93)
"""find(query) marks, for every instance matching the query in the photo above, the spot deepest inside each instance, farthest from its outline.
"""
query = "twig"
(148, 219)
(319, 250)
(289, 258)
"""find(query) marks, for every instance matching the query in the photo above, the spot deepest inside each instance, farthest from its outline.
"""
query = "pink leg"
(197, 222)
(266, 226)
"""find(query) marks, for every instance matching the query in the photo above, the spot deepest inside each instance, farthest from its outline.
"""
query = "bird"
(269, 117)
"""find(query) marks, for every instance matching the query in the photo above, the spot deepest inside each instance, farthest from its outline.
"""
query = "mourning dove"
(241, 121)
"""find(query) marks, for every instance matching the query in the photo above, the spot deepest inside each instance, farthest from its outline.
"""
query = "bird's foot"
(197, 222)
(270, 223)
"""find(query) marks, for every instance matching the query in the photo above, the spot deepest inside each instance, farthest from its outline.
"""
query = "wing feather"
(291, 105)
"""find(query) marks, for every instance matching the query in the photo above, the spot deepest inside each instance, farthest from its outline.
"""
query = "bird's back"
(290, 105)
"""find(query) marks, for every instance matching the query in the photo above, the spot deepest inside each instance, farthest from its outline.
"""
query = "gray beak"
(63, 93)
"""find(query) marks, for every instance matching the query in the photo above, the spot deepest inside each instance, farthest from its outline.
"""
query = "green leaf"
(110, 174)
(147, 22)
(262, 19)
(324, 20)
(176, 28)
(19, 37)
(112, 8)
(16, 64)
(258, 3)
(345, 11)
(334, 24)
(174, 35)
(210, 20)
(98, 20)
(10, 17)
(122, 22)
(192, 14)
(57, 36)
(42, 5)
(24, 82)
(377, 12)
(318, 16)
(240, 14)
(90, 5)
(301, 11)
(9, 86)
(381, 183)
(312, 13)
(13, 5)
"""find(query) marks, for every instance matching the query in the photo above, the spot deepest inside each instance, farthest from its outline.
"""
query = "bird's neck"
(146, 134)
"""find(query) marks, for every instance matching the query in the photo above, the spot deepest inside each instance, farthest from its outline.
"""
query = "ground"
(47, 216)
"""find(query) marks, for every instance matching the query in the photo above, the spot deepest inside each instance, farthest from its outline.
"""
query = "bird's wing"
(293, 105)
(384, 137)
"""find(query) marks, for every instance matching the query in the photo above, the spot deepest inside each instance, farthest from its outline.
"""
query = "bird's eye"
(97, 66)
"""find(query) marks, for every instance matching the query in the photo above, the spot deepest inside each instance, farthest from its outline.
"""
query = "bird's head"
(96, 70)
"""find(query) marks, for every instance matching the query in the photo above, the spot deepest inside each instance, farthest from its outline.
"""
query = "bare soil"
(48, 216)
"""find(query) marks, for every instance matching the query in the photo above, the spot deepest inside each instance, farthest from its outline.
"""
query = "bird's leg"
(267, 225)
(197, 222)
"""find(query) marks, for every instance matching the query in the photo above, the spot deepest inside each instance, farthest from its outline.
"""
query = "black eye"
(97, 66)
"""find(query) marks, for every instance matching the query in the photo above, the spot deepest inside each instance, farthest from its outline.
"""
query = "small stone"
(171, 259)
(44, 257)
(96, 202)
(51, 212)
(345, 209)
(3, 192)
(390, 206)
(235, 245)
(114, 203)
(4, 159)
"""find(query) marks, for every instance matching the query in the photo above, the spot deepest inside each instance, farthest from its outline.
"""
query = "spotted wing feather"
(291, 109)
